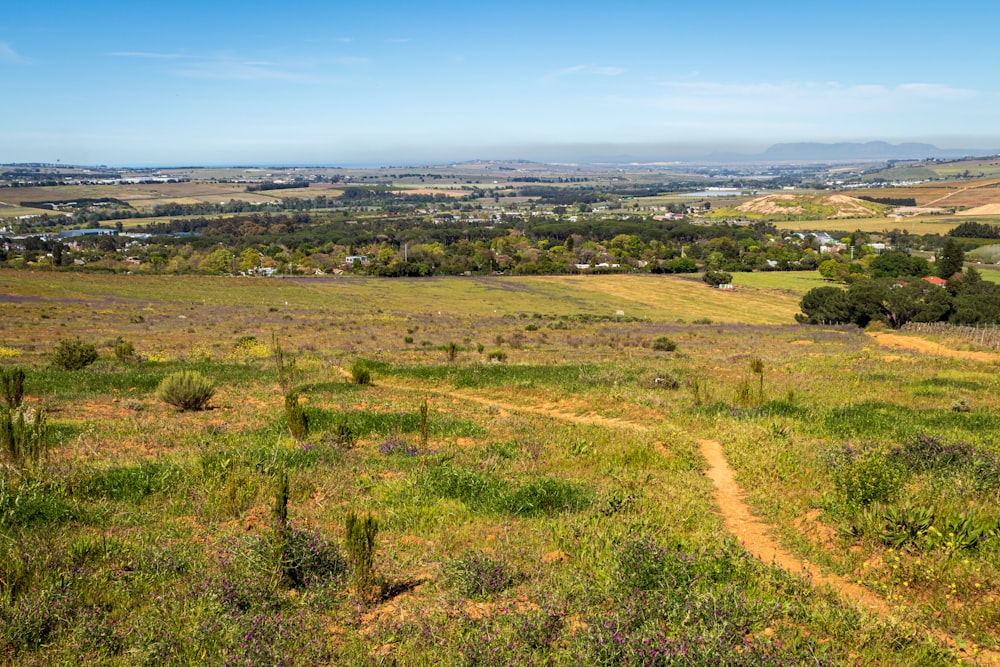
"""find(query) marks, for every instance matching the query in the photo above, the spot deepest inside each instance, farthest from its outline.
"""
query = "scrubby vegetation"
(553, 508)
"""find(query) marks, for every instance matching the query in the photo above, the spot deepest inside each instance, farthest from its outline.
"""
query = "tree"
(898, 264)
(951, 259)
(716, 278)
(825, 305)
(831, 269)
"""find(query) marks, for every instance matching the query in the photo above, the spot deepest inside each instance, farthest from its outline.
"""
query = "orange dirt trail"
(929, 347)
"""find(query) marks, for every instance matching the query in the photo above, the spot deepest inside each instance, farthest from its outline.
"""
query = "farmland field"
(535, 453)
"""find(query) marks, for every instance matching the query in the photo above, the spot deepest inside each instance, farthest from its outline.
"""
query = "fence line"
(986, 335)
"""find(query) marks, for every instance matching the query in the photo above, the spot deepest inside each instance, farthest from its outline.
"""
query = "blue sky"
(402, 82)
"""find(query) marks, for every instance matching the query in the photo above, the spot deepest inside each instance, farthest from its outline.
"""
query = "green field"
(529, 449)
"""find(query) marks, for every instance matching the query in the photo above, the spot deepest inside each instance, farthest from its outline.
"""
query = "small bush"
(298, 424)
(664, 344)
(124, 351)
(343, 434)
(308, 559)
(361, 373)
(664, 381)
(24, 436)
(360, 542)
(451, 351)
(867, 476)
(477, 574)
(73, 355)
(186, 390)
(12, 386)
(497, 356)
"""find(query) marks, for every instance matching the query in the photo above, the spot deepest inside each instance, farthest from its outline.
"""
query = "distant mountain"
(847, 152)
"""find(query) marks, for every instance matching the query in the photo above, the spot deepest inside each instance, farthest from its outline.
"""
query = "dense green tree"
(897, 265)
(951, 259)
(825, 305)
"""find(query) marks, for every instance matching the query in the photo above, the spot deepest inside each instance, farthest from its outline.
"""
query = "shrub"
(73, 355)
(298, 424)
(12, 386)
(361, 373)
(309, 559)
(866, 477)
(24, 436)
(451, 351)
(360, 542)
(124, 350)
(186, 390)
(343, 434)
(665, 381)
(716, 278)
(664, 344)
(477, 574)
(497, 356)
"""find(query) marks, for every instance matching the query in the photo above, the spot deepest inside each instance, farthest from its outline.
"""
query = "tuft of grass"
(186, 390)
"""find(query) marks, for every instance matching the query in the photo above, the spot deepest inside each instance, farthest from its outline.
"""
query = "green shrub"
(124, 351)
(664, 344)
(867, 476)
(497, 356)
(298, 424)
(360, 542)
(24, 436)
(477, 574)
(12, 386)
(73, 355)
(451, 351)
(186, 390)
(361, 373)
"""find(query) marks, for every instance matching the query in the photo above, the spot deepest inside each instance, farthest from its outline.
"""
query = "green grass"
(576, 504)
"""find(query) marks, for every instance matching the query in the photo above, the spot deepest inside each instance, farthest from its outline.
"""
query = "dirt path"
(755, 537)
(752, 533)
(928, 347)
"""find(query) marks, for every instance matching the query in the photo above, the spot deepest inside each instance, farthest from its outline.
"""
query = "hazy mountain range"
(848, 152)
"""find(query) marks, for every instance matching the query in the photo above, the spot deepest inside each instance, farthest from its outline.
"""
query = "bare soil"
(928, 347)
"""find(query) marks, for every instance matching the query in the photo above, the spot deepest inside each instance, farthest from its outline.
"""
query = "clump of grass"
(664, 344)
(186, 390)
(397, 444)
(298, 423)
(865, 476)
(342, 433)
(496, 356)
(12, 386)
(24, 437)
(477, 574)
(451, 351)
(124, 350)
(361, 373)
(74, 355)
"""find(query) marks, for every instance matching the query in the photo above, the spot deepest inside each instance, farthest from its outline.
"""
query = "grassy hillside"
(531, 459)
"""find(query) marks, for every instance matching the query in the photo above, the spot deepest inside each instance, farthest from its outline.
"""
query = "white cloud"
(10, 56)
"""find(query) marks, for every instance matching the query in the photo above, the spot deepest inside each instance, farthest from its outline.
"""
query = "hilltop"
(798, 206)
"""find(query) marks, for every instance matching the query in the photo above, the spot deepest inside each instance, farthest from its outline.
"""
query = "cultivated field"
(560, 469)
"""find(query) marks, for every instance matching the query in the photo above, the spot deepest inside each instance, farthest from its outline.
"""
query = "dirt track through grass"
(753, 534)
(929, 347)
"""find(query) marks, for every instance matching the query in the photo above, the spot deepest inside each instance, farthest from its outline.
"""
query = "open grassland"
(550, 506)
(936, 224)
(141, 196)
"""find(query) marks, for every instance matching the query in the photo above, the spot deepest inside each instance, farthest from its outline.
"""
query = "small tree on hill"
(951, 259)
